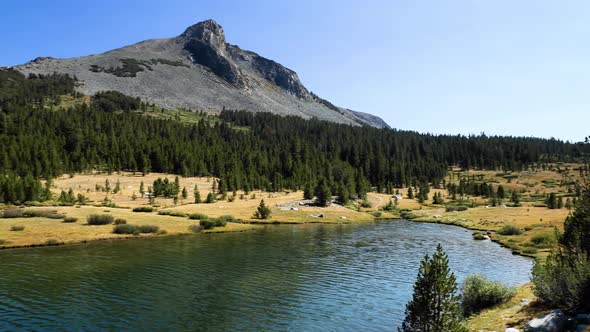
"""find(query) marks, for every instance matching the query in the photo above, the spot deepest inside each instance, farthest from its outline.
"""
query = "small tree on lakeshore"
(263, 211)
(435, 306)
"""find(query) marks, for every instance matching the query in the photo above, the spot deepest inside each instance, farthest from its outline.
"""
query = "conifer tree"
(184, 193)
(197, 195)
(501, 193)
(263, 211)
(435, 306)
(323, 193)
(141, 189)
(515, 199)
(410, 193)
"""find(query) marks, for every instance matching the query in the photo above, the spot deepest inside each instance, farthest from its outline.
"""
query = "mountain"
(199, 70)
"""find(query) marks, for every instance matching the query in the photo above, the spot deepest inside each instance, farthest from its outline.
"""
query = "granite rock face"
(199, 70)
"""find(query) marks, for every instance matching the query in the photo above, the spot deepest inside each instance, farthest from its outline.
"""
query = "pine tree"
(515, 199)
(117, 186)
(501, 193)
(141, 189)
(410, 193)
(210, 198)
(560, 203)
(263, 211)
(197, 194)
(435, 306)
(184, 193)
(107, 186)
(323, 193)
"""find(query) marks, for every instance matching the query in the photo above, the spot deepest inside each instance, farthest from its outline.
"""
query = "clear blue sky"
(499, 67)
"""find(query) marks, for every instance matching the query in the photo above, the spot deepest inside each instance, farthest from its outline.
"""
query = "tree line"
(269, 152)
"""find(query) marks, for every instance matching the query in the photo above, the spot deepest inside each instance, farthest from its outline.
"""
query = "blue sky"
(500, 67)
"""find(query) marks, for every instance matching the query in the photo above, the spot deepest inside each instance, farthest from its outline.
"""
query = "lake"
(283, 277)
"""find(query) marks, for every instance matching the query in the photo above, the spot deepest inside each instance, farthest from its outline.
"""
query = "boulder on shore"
(555, 321)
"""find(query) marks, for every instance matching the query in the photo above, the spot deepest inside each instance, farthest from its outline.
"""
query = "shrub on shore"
(12, 213)
(210, 223)
(124, 229)
(143, 209)
(479, 236)
(173, 214)
(120, 221)
(406, 214)
(510, 230)
(70, 219)
(198, 216)
(43, 213)
(135, 229)
(543, 240)
(480, 293)
(16, 228)
(195, 228)
(455, 208)
(100, 219)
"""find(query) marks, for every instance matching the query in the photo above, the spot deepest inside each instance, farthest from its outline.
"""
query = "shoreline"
(514, 250)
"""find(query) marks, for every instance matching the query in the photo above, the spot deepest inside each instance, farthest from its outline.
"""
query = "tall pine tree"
(435, 305)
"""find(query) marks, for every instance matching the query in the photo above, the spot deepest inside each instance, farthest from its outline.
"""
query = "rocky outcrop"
(554, 321)
(199, 70)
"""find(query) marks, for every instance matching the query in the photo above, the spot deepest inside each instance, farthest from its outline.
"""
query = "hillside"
(199, 70)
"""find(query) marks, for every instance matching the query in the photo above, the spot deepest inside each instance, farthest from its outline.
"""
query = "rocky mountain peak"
(207, 31)
(219, 75)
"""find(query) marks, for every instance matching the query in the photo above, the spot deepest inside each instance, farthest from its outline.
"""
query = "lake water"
(282, 278)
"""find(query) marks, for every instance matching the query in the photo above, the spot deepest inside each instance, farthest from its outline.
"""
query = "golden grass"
(39, 231)
(280, 204)
(86, 184)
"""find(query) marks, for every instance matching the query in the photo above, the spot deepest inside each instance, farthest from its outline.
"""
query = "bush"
(172, 213)
(17, 228)
(52, 242)
(148, 228)
(124, 229)
(198, 216)
(543, 240)
(195, 228)
(120, 221)
(376, 214)
(563, 281)
(13, 213)
(479, 236)
(52, 214)
(134, 229)
(366, 204)
(529, 250)
(70, 219)
(210, 223)
(480, 293)
(510, 230)
(100, 219)
(143, 209)
(228, 218)
(455, 208)
(407, 215)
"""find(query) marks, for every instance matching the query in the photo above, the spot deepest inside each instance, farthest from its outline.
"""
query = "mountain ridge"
(199, 70)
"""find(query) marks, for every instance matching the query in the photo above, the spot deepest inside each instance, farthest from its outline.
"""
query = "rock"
(583, 318)
(554, 321)
(524, 302)
(343, 217)
(511, 329)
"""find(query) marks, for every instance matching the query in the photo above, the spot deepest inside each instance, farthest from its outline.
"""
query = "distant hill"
(199, 70)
